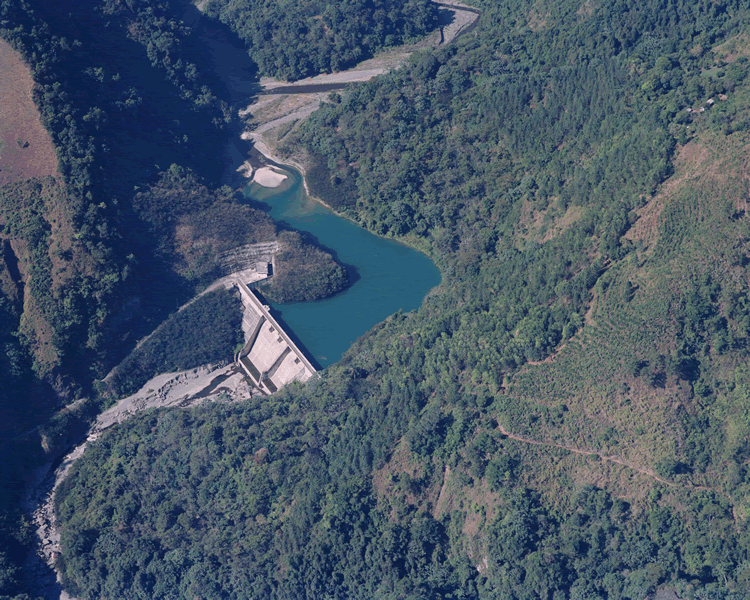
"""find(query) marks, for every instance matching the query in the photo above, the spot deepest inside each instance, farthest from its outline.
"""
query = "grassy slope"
(26, 149)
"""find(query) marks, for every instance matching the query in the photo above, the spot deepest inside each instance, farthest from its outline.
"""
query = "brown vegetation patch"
(571, 216)
(530, 219)
(11, 285)
(396, 476)
(547, 223)
(692, 159)
(440, 491)
(472, 498)
(27, 149)
(586, 9)
(68, 256)
(733, 48)
(618, 479)
(537, 20)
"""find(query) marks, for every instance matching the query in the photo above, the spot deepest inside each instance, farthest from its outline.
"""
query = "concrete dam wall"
(269, 358)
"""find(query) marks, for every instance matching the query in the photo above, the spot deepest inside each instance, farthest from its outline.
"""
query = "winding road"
(450, 31)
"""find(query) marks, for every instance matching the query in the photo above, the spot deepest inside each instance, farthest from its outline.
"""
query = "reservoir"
(391, 276)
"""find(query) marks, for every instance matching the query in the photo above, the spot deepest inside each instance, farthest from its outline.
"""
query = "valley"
(516, 259)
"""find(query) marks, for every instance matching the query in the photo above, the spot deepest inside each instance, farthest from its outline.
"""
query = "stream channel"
(390, 276)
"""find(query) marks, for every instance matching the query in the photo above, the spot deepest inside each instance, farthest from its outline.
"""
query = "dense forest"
(565, 418)
(294, 39)
(303, 272)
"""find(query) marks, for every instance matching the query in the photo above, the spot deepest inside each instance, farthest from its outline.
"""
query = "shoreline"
(279, 103)
(303, 173)
(262, 148)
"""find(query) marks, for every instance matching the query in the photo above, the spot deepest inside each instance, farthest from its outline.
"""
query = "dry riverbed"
(273, 115)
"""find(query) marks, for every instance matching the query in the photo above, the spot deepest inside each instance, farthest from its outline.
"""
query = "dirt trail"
(605, 457)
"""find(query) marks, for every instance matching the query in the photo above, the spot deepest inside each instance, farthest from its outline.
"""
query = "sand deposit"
(270, 177)
(246, 170)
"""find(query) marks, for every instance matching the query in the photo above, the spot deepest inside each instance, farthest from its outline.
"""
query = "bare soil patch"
(561, 224)
(27, 149)
(733, 48)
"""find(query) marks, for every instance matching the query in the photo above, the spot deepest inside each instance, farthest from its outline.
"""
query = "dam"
(269, 358)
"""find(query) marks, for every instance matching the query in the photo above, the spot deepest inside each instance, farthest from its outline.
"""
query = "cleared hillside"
(26, 149)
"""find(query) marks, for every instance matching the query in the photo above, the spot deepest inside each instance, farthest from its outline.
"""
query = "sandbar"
(270, 177)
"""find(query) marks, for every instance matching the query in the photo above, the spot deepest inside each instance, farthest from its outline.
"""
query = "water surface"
(392, 276)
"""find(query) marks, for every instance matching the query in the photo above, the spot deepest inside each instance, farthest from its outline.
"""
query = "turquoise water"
(392, 277)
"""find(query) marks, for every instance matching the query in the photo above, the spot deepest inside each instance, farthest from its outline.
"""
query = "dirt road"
(281, 105)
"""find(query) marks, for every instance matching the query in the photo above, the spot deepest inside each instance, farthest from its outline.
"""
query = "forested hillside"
(566, 418)
(96, 256)
(293, 39)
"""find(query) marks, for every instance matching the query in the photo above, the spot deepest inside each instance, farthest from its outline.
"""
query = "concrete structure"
(252, 257)
(270, 358)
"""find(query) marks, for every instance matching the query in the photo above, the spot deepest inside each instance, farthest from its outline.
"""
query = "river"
(390, 275)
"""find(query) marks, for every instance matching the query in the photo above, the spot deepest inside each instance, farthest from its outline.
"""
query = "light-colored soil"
(182, 390)
(362, 72)
(245, 169)
(26, 150)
